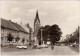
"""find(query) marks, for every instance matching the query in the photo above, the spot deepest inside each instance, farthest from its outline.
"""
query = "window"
(1, 38)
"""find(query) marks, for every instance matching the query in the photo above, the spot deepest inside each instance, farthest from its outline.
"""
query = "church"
(36, 27)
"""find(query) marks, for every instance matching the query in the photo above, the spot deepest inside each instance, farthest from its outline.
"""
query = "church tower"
(36, 26)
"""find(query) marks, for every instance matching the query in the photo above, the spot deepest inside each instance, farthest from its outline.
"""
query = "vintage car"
(44, 46)
(22, 46)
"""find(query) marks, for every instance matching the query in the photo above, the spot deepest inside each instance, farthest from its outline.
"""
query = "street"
(58, 50)
(35, 27)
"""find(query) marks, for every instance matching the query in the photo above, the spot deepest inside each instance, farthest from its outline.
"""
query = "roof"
(7, 24)
(25, 27)
(19, 27)
(11, 25)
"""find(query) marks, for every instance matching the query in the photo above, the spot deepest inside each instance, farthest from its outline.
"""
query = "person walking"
(52, 46)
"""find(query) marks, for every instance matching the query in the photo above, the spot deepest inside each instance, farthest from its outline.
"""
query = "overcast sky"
(63, 13)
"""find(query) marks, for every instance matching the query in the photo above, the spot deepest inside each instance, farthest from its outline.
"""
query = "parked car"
(57, 44)
(21, 47)
(62, 44)
(44, 46)
(71, 45)
(77, 44)
(39, 47)
(36, 46)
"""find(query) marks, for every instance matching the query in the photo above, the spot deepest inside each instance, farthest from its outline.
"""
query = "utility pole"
(30, 35)
(41, 37)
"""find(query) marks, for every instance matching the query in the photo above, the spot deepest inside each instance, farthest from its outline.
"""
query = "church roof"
(37, 17)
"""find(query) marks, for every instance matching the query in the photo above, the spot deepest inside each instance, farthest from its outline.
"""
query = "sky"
(63, 13)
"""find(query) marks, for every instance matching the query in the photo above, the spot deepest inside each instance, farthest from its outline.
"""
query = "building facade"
(8, 27)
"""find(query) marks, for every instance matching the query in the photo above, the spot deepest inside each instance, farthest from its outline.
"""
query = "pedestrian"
(52, 46)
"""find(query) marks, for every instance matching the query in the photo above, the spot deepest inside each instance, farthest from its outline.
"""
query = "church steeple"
(36, 23)
(37, 17)
(36, 26)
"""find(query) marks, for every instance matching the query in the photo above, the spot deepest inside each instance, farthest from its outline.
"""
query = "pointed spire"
(37, 17)
(37, 14)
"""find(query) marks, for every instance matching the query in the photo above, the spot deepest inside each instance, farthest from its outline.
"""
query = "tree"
(50, 32)
(23, 40)
(74, 37)
(45, 31)
(9, 38)
(77, 35)
(55, 33)
(17, 39)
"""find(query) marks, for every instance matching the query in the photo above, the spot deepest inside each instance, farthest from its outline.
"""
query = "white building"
(8, 27)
